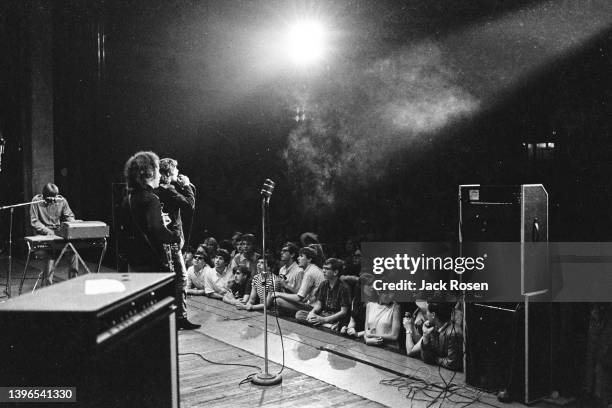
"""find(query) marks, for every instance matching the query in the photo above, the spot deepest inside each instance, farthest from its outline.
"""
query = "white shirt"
(195, 279)
(214, 281)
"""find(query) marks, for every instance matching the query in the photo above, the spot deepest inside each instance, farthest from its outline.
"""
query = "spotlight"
(305, 42)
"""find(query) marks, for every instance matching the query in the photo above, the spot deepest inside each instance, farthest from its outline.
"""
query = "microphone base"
(266, 379)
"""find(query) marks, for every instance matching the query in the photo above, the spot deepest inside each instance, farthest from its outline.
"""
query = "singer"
(177, 195)
(46, 218)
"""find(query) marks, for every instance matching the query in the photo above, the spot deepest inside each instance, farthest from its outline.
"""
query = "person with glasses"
(333, 299)
(195, 274)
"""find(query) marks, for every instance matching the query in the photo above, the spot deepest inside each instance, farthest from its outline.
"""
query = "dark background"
(187, 79)
(413, 99)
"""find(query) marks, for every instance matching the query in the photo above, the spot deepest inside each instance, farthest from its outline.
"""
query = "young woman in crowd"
(256, 297)
(382, 321)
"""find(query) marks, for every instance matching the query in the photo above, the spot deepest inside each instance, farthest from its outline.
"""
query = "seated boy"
(312, 278)
(196, 275)
(239, 289)
(442, 341)
(216, 279)
(333, 299)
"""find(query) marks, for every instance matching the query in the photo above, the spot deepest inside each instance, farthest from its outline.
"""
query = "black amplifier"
(109, 336)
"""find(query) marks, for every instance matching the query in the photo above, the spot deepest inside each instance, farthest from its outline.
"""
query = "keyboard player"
(46, 218)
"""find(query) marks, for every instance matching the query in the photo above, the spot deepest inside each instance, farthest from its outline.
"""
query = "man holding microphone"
(177, 196)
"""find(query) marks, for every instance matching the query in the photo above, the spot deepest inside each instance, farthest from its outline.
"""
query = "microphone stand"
(265, 378)
(7, 289)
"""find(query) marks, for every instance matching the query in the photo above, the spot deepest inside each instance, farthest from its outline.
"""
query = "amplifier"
(110, 336)
(83, 229)
(508, 345)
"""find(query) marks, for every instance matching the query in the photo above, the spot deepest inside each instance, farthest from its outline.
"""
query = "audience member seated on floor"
(227, 245)
(210, 245)
(350, 245)
(290, 273)
(246, 253)
(188, 255)
(272, 285)
(304, 298)
(239, 289)
(333, 299)
(195, 274)
(442, 341)
(353, 267)
(382, 321)
(311, 240)
(235, 243)
(362, 293)
(413, 323)
(217, 278)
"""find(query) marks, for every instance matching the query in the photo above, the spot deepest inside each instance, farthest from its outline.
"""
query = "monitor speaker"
(508, 344)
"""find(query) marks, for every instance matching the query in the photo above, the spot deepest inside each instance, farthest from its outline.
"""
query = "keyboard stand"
(67, 245)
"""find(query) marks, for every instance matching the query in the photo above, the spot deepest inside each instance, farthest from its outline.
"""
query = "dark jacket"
(176, 201)
(141, 216)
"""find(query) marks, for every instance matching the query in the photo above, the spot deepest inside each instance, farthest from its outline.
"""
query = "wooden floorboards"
(204, 384)
(341, 345)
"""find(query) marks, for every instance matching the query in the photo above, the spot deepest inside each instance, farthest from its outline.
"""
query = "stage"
(321, 368)
(346, 372)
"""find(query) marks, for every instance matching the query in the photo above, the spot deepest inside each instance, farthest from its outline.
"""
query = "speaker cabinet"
(508, 344)
(117, 348)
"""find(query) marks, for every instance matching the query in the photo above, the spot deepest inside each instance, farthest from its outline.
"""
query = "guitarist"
(142, 230)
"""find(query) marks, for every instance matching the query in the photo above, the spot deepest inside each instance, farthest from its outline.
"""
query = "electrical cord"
(423, 391)
(280, 331)
(217, 363)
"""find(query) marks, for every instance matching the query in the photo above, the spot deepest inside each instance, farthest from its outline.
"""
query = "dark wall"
(174, 77)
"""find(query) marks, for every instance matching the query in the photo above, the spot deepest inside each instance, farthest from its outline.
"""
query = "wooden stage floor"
(204, 384)
(321, 369)
(315, 357)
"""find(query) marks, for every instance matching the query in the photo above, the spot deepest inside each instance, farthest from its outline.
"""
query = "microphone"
(180, 177)
(54, 199)
(2, 143)
(267, 189)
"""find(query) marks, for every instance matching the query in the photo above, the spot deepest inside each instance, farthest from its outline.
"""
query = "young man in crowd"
(333, 299)
(188, 255)
(239, 289)
(442, 341)
(246, 253)
(195, 274)
(290, 273)
(313, 276)
(217, 278)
